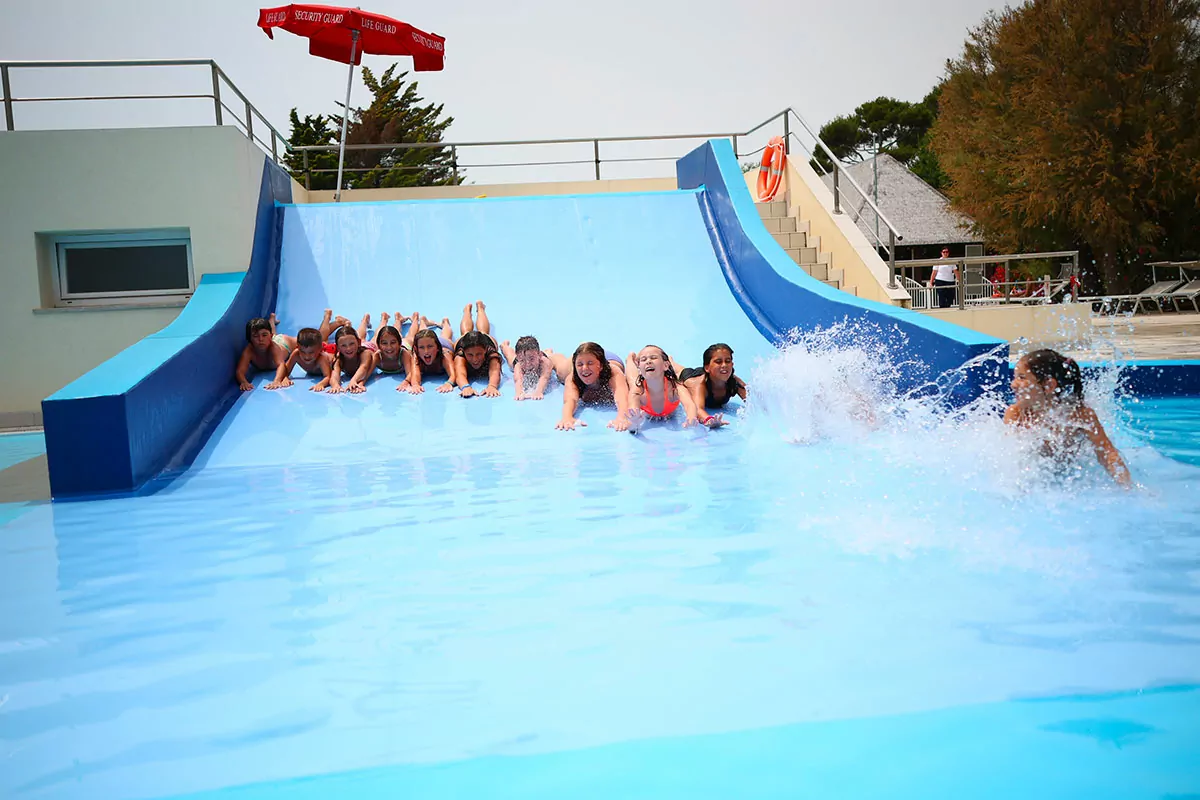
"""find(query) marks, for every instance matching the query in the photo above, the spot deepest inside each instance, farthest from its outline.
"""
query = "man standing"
(944, 279)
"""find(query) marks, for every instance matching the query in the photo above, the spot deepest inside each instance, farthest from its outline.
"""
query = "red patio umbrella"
(344, 34)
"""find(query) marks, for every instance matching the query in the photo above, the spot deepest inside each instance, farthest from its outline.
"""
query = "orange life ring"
(770, 174)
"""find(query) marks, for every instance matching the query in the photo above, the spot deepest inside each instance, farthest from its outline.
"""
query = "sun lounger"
(1188, 293)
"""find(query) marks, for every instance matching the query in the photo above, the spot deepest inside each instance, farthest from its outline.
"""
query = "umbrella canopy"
(344, 34)
(331, 34)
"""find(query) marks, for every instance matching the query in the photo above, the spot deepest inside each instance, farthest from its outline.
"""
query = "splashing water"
(895, 473)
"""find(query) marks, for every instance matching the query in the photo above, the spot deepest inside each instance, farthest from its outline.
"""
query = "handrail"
(245, 118)
(246, 122)
(839, 171)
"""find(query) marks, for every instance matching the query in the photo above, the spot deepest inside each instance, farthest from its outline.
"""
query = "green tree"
(397, 114)
(896, 127)
(312, 130)
(1074, 124)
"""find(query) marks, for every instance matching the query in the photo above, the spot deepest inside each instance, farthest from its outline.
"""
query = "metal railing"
(842, 176)
(973, 288)
(244, 115)
(595, 157)
(251, 121)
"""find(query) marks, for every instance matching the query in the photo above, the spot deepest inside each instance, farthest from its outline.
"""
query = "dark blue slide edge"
(151, 407)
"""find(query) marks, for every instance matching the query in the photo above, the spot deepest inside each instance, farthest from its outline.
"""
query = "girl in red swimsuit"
(655, 394)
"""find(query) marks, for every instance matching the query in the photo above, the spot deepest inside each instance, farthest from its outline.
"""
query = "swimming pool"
(431, 597)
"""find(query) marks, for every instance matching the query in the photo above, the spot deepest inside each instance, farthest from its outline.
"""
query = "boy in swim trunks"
(312, 359)
(531, 367)
(265, 350)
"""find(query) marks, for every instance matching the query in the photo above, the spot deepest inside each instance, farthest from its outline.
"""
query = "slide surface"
(624, 270)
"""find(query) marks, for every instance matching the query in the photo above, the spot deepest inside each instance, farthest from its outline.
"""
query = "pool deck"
(1145, 337)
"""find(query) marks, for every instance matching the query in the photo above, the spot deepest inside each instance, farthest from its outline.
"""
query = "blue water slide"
(150, 408)
(680, 269)
(779, 297)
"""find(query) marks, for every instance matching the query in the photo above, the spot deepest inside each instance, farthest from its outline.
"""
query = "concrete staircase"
(794, 237)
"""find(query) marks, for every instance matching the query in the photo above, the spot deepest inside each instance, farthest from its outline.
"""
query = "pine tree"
(396, 114)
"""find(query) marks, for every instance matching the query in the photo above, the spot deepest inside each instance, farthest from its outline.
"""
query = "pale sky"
(521, 69)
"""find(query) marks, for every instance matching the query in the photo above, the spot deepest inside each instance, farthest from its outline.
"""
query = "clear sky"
(514, 70)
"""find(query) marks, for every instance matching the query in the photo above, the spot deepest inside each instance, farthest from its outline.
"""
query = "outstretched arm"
(239, 372)
(493, 387)
(620, 390)
(451, 372)
(366, 366)
(285, 369)
(543, 380)
(460, 377)
(1106, 452)
(570, 402)
(326, 372)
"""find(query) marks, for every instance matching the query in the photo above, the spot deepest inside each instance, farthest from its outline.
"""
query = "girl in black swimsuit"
(714, 384)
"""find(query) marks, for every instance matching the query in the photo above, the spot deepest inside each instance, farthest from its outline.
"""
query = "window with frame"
(130, 268)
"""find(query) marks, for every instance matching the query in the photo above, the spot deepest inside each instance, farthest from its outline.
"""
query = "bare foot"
(366, 320)
(339, 320)
(415, 319)
(504, 343)
(479, 305)
(466, 310)
(273, 319)
(425, 321)
(446, 320)
(384, 319)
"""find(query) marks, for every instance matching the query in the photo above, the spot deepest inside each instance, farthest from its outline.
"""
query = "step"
(791, 241)
(797, 240)
(834, 284)
(780, 224)
(818, 271)
(838, 275)
(807, 255)
(851, 290)
(772, 210)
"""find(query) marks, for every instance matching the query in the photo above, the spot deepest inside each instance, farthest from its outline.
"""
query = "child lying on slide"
(593, 376)
(312, 359)
(532, 367)
(265, 350)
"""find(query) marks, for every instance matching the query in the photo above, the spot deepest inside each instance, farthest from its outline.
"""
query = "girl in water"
(656, 392)
(593, 376)
(714, 384)
(1049, 400)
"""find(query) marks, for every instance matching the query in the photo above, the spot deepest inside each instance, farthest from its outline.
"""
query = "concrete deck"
(1145, 337)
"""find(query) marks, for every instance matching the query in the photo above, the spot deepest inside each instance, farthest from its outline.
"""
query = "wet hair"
(605, 368)
(427, 333)
(388, 329)
(710, 353)
(712, 349)
(1047, 364)
(526, 343)
(308, 337)
(254, 325)
(474, 339)
(668, 373)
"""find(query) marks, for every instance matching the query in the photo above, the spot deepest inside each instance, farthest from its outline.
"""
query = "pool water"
(798, 605)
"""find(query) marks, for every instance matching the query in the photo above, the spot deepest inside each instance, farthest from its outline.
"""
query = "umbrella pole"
(337, 196)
